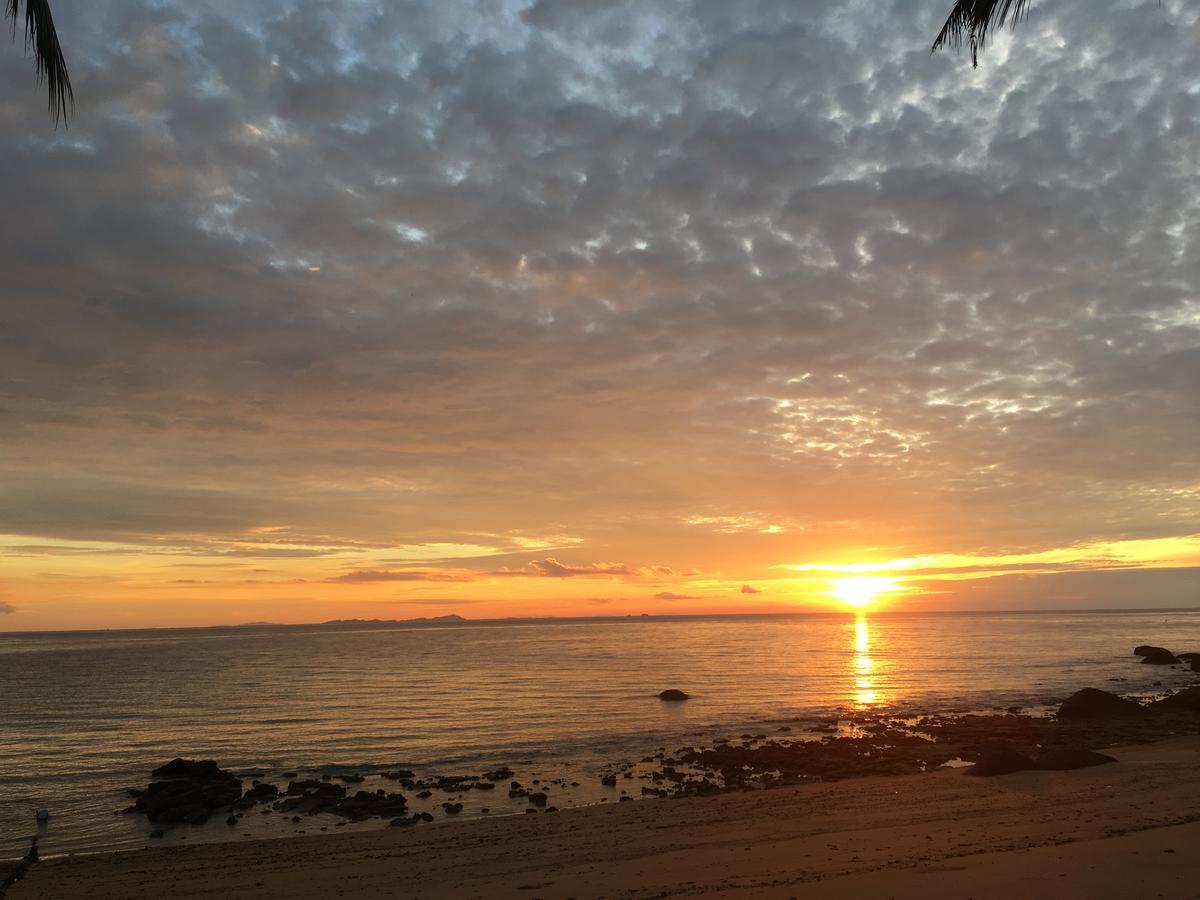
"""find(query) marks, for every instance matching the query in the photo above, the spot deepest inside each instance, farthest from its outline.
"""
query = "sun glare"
(862, 591)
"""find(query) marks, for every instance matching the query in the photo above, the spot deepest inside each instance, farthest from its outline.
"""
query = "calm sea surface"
(85, 715)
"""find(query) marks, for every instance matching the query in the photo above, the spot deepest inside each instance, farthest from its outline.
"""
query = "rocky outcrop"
(1092, 703)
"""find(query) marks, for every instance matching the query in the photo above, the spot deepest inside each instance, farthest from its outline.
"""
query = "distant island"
(354, 623)
(423, 620)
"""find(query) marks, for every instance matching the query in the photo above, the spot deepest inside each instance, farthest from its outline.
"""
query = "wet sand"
(1115, 831)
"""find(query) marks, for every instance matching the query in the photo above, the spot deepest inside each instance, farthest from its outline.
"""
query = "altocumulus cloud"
(604, 264)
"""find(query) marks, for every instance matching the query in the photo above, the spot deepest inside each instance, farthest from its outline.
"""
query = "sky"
(592, 307)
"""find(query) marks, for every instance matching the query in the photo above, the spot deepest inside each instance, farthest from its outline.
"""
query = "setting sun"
(861, 591)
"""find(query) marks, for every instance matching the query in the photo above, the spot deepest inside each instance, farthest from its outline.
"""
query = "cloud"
(668, 595)
(7, 608)
(750, 589)
(369, 576)
(552, 568)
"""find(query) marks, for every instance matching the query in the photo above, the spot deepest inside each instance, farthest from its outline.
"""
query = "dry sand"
(1127, 830)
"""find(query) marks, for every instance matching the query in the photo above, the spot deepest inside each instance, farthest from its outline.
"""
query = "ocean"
(86, 715)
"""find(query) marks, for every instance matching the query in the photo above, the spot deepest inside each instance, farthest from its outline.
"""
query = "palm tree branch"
(971, 21)
(42, 38)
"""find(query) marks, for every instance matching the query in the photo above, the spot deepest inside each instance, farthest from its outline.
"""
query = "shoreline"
(854, 744)
(1038, 833)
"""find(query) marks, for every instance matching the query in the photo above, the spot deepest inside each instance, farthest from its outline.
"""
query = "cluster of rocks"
(1161, 656)
(991, 744)
(190, 792)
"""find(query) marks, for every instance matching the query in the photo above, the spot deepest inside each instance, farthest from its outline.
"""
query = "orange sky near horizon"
(82, 585)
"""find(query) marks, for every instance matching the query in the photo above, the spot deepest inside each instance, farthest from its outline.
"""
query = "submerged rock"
(672, 695)
(1062, 759)
(1092, 703)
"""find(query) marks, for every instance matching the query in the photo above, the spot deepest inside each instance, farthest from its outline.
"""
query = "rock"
(1196, 664)
(672, 696)
(1062, 759)
(452, 809)
(1157, 656)
(259, 793)
(1092, 703)
(193, 790)
(157, 833)
(608, 780)
(1187, 657)
(1143, 649)
(538, 799)
(1001, 762)
(1187, 700)
(189, 768)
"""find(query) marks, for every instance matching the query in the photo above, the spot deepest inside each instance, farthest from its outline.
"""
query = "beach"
(1120, 830)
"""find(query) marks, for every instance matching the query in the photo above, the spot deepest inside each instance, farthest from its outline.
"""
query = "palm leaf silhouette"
(42, 39)
(971, 21)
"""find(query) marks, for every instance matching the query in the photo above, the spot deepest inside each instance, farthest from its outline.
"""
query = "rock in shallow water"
(1159, 657)
(672, 695)
(1188, 700)
(1092, 703)
(194, 789)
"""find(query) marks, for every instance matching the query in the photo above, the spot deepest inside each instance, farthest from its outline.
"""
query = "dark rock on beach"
(1001, 761)
(672, 695)
(1187, 700)
(1092, 703)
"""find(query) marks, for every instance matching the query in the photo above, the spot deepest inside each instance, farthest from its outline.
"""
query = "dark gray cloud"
(597, 268)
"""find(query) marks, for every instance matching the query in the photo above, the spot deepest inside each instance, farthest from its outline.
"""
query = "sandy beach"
(1114, 831)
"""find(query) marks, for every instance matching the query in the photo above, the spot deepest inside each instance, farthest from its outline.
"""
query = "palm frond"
(971, 21)
(42, 38)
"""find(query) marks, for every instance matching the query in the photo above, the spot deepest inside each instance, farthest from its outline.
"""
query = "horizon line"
(454, 620)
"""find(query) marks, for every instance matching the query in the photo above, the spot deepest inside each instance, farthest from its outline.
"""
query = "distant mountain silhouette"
(432, 620)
